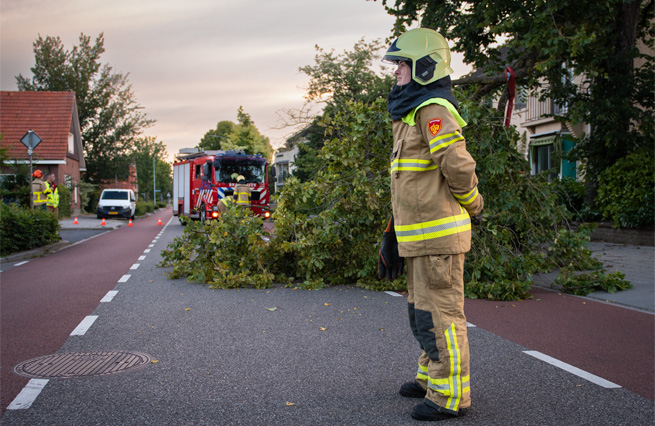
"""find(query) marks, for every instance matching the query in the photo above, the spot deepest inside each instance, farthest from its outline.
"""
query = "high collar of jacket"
(403, 99)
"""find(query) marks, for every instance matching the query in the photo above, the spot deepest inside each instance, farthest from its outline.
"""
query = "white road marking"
(109, 296)
(28, 395)
(21, 263)
(573, 370)
(135, 266)
(142, 258)
(84, 325)
(124, 278)
(468, 324)
(393, 293)
(151, 246)
(146, 251)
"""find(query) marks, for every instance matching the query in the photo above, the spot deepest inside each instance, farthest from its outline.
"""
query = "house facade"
(54, 118)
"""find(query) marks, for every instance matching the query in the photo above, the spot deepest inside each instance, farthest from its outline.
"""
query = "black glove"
(390, 264)
(477, 219)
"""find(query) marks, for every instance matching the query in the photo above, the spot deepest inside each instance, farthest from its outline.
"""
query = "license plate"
(113, 212)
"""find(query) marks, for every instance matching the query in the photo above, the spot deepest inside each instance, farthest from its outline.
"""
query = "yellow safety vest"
(53, 196)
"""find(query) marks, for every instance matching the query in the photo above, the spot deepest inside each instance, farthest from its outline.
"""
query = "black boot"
(429, 411)
(412, 390)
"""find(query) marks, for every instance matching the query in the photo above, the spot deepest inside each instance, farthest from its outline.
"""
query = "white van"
(116, 203)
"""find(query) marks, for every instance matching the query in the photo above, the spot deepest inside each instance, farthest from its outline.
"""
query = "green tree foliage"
(327, 230)
(352, 76)
(553, 41)
(110, 117)
(242, 135)
(145, 151)
(626, 192)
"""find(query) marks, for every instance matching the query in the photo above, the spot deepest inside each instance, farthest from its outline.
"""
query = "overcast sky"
(192, 63)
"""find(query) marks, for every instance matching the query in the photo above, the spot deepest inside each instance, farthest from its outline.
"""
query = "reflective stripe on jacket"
(39, 192)
(433, 182)
(242, 194)
(53, 196)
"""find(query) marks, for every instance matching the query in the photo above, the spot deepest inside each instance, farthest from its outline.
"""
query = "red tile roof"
(49, 114)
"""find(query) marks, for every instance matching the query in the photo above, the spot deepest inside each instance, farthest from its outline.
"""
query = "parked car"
(116, 203)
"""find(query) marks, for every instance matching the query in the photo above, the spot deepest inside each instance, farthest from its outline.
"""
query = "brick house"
(54, 117)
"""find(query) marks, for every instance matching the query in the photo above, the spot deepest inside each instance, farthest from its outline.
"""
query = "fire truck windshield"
(253, 171)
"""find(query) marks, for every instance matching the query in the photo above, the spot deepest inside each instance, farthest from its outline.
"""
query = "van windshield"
(114, 195)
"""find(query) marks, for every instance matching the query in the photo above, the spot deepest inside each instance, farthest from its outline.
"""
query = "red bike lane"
(42, 301)
(609, 341)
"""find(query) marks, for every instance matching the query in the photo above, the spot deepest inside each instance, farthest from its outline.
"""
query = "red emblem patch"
(434, 125)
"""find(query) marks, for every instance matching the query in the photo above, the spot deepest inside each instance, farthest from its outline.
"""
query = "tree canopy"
(147, 149)
(110, 116)
(242, 135)
(550, 42)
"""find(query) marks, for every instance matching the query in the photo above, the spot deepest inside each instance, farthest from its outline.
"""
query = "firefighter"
(222, 205)
(39, 191)
(52, 205)
(434, 195)
(242, 192)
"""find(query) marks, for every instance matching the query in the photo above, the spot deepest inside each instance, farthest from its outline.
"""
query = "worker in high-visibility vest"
(39, 191)
(434, 196)
(52, 204)
(242, 192)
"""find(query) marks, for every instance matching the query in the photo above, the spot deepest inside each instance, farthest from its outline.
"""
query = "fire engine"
(202, 178)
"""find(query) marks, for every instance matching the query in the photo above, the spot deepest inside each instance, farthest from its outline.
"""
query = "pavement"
(335, 356)
(636, 262)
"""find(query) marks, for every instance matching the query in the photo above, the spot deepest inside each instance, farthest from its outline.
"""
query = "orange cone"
(103, 222)
(130, 224)
(159, 221)
(75, 221)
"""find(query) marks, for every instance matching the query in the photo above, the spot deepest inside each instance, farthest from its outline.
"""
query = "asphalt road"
(329, 357)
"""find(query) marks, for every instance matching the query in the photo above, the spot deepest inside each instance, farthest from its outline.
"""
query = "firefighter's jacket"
(39, 192)
(53, 195)
(242, 194)
(433, 183)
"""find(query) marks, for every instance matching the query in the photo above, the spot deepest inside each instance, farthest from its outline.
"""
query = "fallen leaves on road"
(271, 309)
(290, 403)
(323, 328)
(187, 309)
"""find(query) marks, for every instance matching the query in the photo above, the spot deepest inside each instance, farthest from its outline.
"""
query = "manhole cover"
(68, 365)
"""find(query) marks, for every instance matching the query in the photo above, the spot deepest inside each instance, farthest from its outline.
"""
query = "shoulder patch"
(434, 126)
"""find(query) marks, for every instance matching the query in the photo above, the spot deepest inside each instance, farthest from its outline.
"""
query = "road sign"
(30, 140)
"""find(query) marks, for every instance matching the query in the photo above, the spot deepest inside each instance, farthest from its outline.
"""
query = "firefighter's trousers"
(436, 316)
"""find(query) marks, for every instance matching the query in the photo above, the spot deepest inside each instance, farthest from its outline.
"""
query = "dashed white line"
(573, 370)
(84, 326)
(468, 324)
(146, 251)
(109, 296)
(151, 246)
(28, 395)
(21, 263)
(135, 266)
(124, 278)
(393, 293)
(142, 258)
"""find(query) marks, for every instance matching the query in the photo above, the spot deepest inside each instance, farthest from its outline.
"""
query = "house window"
(71, 143)
(542, 155)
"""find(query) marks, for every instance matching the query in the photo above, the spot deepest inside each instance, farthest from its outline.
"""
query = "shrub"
(22, 229)
(626, 191)
(225, 253)
(143, 207)
(64, 201)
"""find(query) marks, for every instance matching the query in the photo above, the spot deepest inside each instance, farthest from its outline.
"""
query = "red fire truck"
(202, 178)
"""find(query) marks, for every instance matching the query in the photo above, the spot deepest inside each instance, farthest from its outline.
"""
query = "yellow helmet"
(427, 51)
(240, 178)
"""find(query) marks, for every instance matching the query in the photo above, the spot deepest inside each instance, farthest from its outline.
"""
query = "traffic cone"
(75, 221)
(159, 221)
(103, 222)
(130, 224)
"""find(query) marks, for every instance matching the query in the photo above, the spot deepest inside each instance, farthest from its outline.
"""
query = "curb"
(37, 252)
